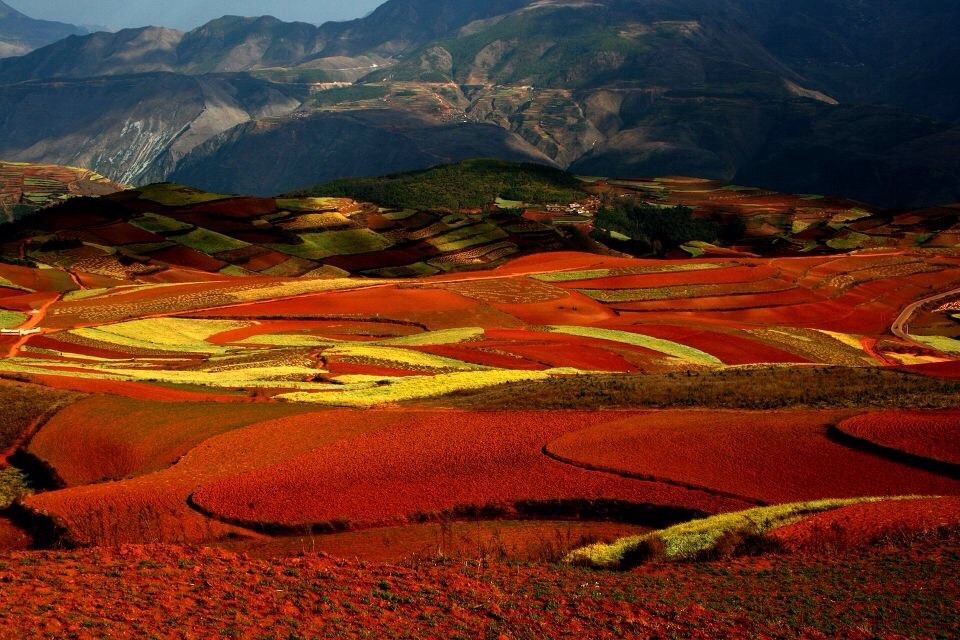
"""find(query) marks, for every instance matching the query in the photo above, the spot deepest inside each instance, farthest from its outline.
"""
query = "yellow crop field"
(667, 347)
(163, 334)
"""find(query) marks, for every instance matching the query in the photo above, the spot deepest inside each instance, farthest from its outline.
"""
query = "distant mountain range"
(847, 97)
(20, 34)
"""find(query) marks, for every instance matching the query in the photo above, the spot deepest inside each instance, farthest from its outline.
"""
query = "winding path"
(35, 318)
(901, 326)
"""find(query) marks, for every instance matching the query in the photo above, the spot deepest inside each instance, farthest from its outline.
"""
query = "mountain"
(848, 104)
(270, 156)
(20, 34)
(135, 128)
(234, 43)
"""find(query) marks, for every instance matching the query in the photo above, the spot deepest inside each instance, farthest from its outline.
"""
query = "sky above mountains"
(187, 14)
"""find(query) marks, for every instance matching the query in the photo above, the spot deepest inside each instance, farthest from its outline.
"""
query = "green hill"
(470, 184)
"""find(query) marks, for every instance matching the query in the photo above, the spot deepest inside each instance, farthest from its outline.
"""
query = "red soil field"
(78, 347)
(487, 353)
(581, 355)
(514, 540)
(861, 525)
(260, 328)
(6, 292)
(110, 438)
(575, 309)
(27, 302)
(183, 275)
(154, 507)
(865, 309)
(35, 279)
(58, 220)
(12, 538)
(948, 370)
(120, 233)
(734, 303)
(264, 261)
(564, 350)
(730, 348)
(434, 308)
(137, 390)
(95, 281)
(383, 259)
(775, 456)
(339, 368)
(335, 329)
(430, 462)
(929, 434)
(729, 275)
(558, 261)
(189, 258)
(171, 592)
(193, 594)
(239, 208)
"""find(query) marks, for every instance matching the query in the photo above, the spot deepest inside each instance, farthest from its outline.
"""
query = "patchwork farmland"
(285, 376)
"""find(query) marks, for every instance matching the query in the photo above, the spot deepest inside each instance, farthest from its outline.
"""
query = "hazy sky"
(187, 14)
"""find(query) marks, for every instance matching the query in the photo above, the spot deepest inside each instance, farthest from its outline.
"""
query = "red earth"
(137, 592)
(429, 463)
(928, 434)
(777, 456)
(862, 525)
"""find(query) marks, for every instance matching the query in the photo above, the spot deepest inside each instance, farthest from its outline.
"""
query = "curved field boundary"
(950, 469)
(645, 477)
(751, 453)
(34, 428)
(431, 464)
(647, 514)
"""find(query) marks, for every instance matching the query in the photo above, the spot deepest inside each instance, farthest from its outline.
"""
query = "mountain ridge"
(609, 87)
(20, 34)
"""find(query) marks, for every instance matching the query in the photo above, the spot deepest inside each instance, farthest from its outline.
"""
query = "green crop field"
(208, 242)
(160, 224)
(593, 274)
(175, 195)
(11, 319)
(317, 246)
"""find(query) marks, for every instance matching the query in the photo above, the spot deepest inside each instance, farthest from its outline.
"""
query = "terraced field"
(161, 230)
(357, 342)
(26, 188)
(782, 224)
(266, 412)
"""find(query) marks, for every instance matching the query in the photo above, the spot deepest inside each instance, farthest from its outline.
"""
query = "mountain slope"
(884, 51)
(20, 34)
(847, 105)
(275, 155)
(133, 129)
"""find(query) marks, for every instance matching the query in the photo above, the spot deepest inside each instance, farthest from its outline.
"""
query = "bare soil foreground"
(168, 592)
